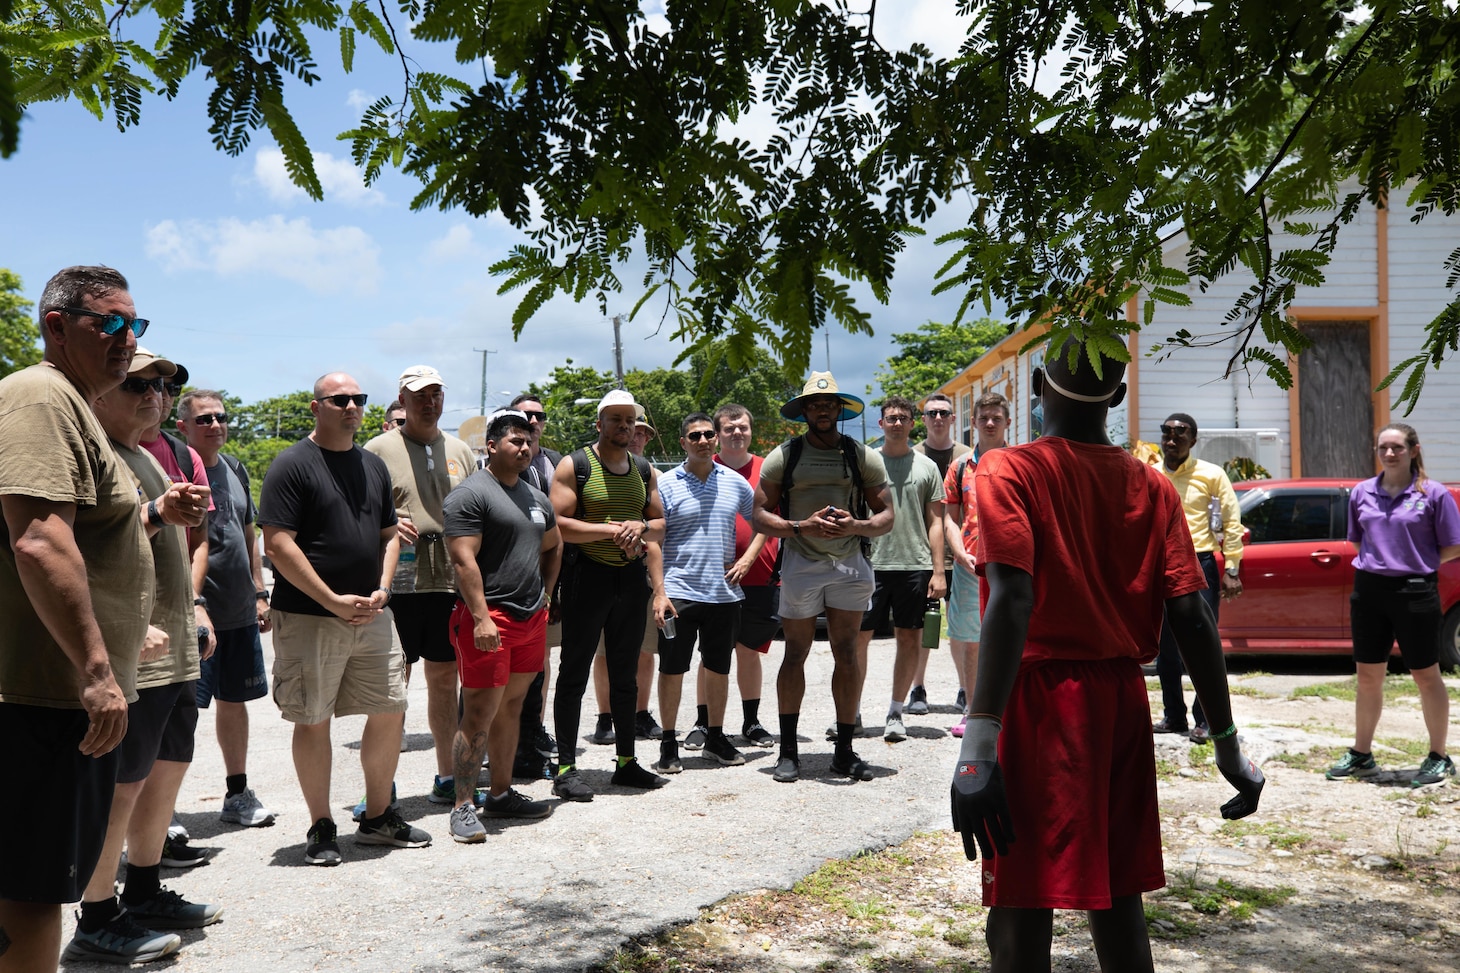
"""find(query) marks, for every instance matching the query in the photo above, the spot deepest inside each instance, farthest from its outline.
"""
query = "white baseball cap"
(418, 377)
(617, 397)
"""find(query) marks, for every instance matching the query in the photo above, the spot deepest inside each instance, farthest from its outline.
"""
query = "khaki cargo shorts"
(324, 666)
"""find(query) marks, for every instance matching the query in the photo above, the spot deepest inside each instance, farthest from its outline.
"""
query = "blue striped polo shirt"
(699, 532)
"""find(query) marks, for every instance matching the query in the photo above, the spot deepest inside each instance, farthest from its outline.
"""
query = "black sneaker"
(391, 829)
(851, 765)
(788, 769)
(177, 853)
(542, 741)
(570, 786)
(668, 762)
(757, 735)
(322, 847)
(695, 738)
(645, 726)
(1433, 770)
(515, 804)
(917, 702)
(632, 774)
(168, 910)
(720, 749)
(603, 733)
(121, 940)
(961, 701)
(531, 765)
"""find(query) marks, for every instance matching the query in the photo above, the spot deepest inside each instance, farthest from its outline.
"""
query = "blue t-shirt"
(1399, 536)
(699, 532)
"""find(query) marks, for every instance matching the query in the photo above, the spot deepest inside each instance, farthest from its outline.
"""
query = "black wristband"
(154, 516)
(261, 595)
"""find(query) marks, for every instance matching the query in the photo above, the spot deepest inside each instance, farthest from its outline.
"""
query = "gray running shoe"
(168, 910)
(466, 827)
(917, 702)
(246, 809)
(788, 769)
(120, 941)
(1353, 764)
(894, 731)
(392, 830)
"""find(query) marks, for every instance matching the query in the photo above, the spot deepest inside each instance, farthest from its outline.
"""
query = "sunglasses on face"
(342, 400)
(208, 418)
(139, 386)
(938, 413)
(535, 416)
(896, 420)
(700, 435)
(173, 389)
(1174, 431)
(111, 323)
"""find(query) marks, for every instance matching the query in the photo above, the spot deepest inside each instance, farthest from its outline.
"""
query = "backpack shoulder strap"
(646, 472)
(184, 456)
(239, 470)
(790, 456)
(581, 472)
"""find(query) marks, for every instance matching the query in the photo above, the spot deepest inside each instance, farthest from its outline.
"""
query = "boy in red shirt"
(1081, 549)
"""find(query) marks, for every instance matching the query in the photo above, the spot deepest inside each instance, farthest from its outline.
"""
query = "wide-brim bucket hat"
(822, 383)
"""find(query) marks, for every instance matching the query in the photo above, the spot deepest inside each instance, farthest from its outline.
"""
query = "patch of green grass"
(925, 931)
(1418, 749)
(1153, 685)
(1278, 835)
(1181, 927)
(1348, 689)
(960, 936)
(1165, 768)
(1238, 689)
(1316, 760)
(1229, 898)
(1396, 687)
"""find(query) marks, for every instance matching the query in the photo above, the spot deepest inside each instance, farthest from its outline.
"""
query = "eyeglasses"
(1388, 448)
(896, 420)
(1174, 431)
(430, 463)
(208, 418)
(700, 435)
(111, 323)
(173, 389)
(342, 400)
(139, 386)
(535, 416)
(938, 413)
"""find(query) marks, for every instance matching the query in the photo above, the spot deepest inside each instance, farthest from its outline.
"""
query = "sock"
(604, 718)
(564, 768)
(624, 761)
(668, 748)
(895, 709)
(844, 733)
(142, 884)
(237, 784)
(446, 783)
(715, 732)
(702, 715)
(1359, 753)
(752, 710)
(95, 915)
(372, 823)
(1436, 756)
(789, 745)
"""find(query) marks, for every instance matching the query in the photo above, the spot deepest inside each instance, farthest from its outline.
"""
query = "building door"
(1335, 408)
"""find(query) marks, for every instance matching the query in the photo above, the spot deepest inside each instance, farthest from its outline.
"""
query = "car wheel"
(1450, 641)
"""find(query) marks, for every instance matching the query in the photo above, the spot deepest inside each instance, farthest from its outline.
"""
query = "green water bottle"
(932, 626)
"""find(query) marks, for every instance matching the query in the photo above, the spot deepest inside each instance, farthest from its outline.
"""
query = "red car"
(1297, 572)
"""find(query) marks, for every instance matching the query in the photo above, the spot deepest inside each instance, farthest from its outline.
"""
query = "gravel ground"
(556, 894)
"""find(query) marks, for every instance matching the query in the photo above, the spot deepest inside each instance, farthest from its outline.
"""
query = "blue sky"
(258, 289)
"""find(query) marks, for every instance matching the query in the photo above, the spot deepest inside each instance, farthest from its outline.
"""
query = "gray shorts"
(964, 623)
(808, 587)
(324, 666)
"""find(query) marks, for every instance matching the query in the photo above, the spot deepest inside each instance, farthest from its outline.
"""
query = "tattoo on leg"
(467, 756)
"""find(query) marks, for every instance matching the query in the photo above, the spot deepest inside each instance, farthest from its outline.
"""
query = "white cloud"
(359, 100)
(326, 261)
(457, 244)
(341, 181)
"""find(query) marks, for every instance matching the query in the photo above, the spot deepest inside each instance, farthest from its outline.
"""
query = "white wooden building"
(1386, 281)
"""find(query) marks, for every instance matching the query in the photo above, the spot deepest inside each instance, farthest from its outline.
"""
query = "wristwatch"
(200, 602)
(154, 515)
(261, 595)
(1231, 570)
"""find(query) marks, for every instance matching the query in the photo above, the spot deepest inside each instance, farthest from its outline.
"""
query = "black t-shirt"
(511, 521)
(229, 587)
(337, 503)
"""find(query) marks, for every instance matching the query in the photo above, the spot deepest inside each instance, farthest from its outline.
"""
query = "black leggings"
(613, 601)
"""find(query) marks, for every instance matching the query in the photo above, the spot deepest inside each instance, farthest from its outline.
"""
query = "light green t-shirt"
(56, 450)
(821, 479)
(418, 485)
(914, 483)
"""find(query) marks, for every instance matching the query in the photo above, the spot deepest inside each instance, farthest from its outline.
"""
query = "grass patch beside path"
(1395, 687)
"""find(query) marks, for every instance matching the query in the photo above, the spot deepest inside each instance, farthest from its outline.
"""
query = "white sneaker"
(894, 731)
(246, 809)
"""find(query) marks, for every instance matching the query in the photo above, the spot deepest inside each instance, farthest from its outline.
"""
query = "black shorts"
(904, 593)
(59, 801)
(760, 617)
(1384, 609)
(713, 625)
(235, 672)
(423, 623)
(160, 726)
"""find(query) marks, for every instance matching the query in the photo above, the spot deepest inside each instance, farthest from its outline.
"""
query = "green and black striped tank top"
(609, 496)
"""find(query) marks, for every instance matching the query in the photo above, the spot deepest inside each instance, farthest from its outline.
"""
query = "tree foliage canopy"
(20, 336)
(932, 354)
(1069, 138)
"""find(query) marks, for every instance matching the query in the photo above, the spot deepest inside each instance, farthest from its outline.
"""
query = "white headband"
(1078, 397)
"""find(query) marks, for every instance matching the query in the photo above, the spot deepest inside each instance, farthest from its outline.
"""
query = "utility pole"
(618, 349)
(484, 353)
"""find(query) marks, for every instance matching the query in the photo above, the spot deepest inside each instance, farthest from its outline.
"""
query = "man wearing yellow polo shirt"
(1215, 522)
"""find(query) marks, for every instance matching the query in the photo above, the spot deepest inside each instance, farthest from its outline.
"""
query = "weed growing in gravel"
(1166, 769)
(1395, 688)
(1278, 835)
(1238, 689)
(1316, 760)
(1226, 897)
(1168, 924)
(960, 936)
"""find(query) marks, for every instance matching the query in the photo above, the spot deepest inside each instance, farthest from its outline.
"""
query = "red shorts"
(523, 646)
(1080, 769)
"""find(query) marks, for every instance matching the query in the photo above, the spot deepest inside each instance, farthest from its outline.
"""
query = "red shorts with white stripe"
(1080, 770)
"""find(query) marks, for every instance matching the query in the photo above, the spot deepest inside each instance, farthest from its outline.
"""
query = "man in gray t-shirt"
(503, 540)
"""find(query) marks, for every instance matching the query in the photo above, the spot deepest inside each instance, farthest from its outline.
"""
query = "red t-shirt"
(1104, 537)
(760, 572)
(161, 450)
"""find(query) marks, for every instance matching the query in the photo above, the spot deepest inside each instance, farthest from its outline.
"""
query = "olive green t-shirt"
(914, 483)
(419, 483)
(55, 450)
(172, 609)
(821, 480)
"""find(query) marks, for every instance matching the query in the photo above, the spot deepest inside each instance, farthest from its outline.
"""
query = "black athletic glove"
(1242, 774)
(981, 808)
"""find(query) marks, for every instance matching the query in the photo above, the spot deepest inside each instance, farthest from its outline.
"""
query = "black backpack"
(851, 464)
(185, 461)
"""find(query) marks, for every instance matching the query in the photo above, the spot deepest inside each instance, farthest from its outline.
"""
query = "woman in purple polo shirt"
(1405, 525)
